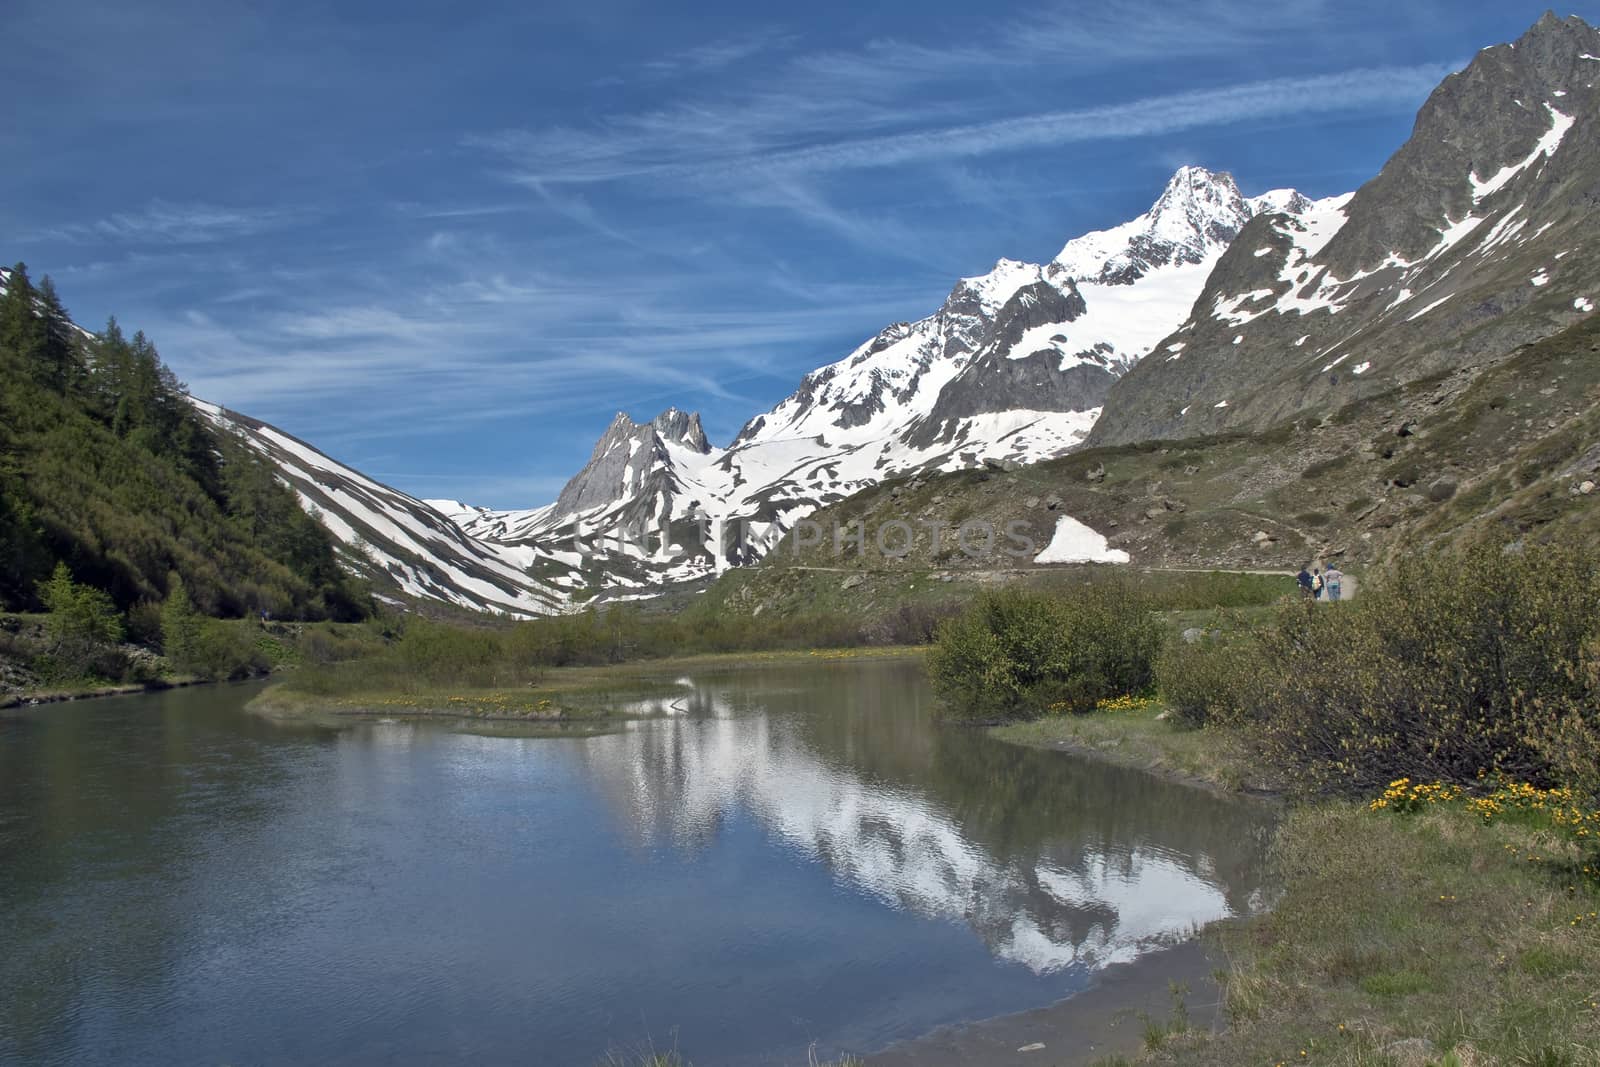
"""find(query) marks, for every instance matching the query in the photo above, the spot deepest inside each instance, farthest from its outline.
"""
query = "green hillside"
(106, 468)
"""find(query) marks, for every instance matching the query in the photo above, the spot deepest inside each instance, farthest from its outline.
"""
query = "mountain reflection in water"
(792, 855)
(1051, 860)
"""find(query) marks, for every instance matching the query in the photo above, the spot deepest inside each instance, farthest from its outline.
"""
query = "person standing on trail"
(1333, 583)
(1304, 578)
(1316, 583)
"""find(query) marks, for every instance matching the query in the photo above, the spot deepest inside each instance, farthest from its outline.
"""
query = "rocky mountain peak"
(681, 428)
(1471, 242)
(626, 457)
(1196, 216)
(1481, 122)
(1198, 203)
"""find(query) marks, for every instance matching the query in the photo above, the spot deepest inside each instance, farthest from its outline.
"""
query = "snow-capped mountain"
(1475, 238)
(1210, 311)
(1012, 368)
(392, 536)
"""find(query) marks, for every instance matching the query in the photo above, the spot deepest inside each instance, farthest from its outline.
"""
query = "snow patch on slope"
(1073, 542)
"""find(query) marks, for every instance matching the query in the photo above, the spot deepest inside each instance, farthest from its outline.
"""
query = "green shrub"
(180, 627)
(1208, 681)
(224, 650)
(1015, 651)
(1460, 663)
(911, 624)
(1567, 735)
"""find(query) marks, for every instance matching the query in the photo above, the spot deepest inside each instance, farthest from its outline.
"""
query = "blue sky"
(446, 242)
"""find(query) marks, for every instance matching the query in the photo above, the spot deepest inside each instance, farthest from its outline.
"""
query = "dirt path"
(1347, 589)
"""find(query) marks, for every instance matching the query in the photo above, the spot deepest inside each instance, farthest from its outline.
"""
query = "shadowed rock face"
(1478, 121)
(984, 317)
(1476, 238)
(1001, 377)
(628, 460)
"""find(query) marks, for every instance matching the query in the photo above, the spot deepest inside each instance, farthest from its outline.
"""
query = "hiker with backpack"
(1304, 578)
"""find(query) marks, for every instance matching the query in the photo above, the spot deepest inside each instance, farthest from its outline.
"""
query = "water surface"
(798, 854)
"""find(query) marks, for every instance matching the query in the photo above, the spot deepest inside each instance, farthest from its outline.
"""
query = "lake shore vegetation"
(1439, 857)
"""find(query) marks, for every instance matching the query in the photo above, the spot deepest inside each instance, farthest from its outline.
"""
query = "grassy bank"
(1440, 747)
(33, 669)
(1137, 733)
(1464, 932)
(538, 694)
(1434, 938)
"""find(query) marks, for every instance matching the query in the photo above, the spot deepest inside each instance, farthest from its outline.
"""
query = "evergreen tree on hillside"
(58, 348)
(22, 332)
(180, 626)
(105, 464)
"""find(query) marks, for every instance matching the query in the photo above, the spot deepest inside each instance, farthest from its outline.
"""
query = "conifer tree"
(21, 331)
(180, 626)
(57, 351)
(83, 624)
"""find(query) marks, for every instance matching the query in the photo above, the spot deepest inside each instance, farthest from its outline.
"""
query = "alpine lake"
(788, 862)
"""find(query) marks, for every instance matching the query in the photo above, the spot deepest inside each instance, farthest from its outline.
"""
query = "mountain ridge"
(1011, 368)
(1469, 242)
(1211, 313)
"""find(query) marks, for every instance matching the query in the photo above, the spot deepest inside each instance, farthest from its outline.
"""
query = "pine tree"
(108, 369)
(83, 624)
(180, 626)
(58, 344)
(21, 330)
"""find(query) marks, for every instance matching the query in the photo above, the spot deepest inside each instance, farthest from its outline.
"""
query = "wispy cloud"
(693, 144)
(492, 346)
(728, 216)
(717, 55)
(1152, 116)
(891, 102)
(164, 223)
